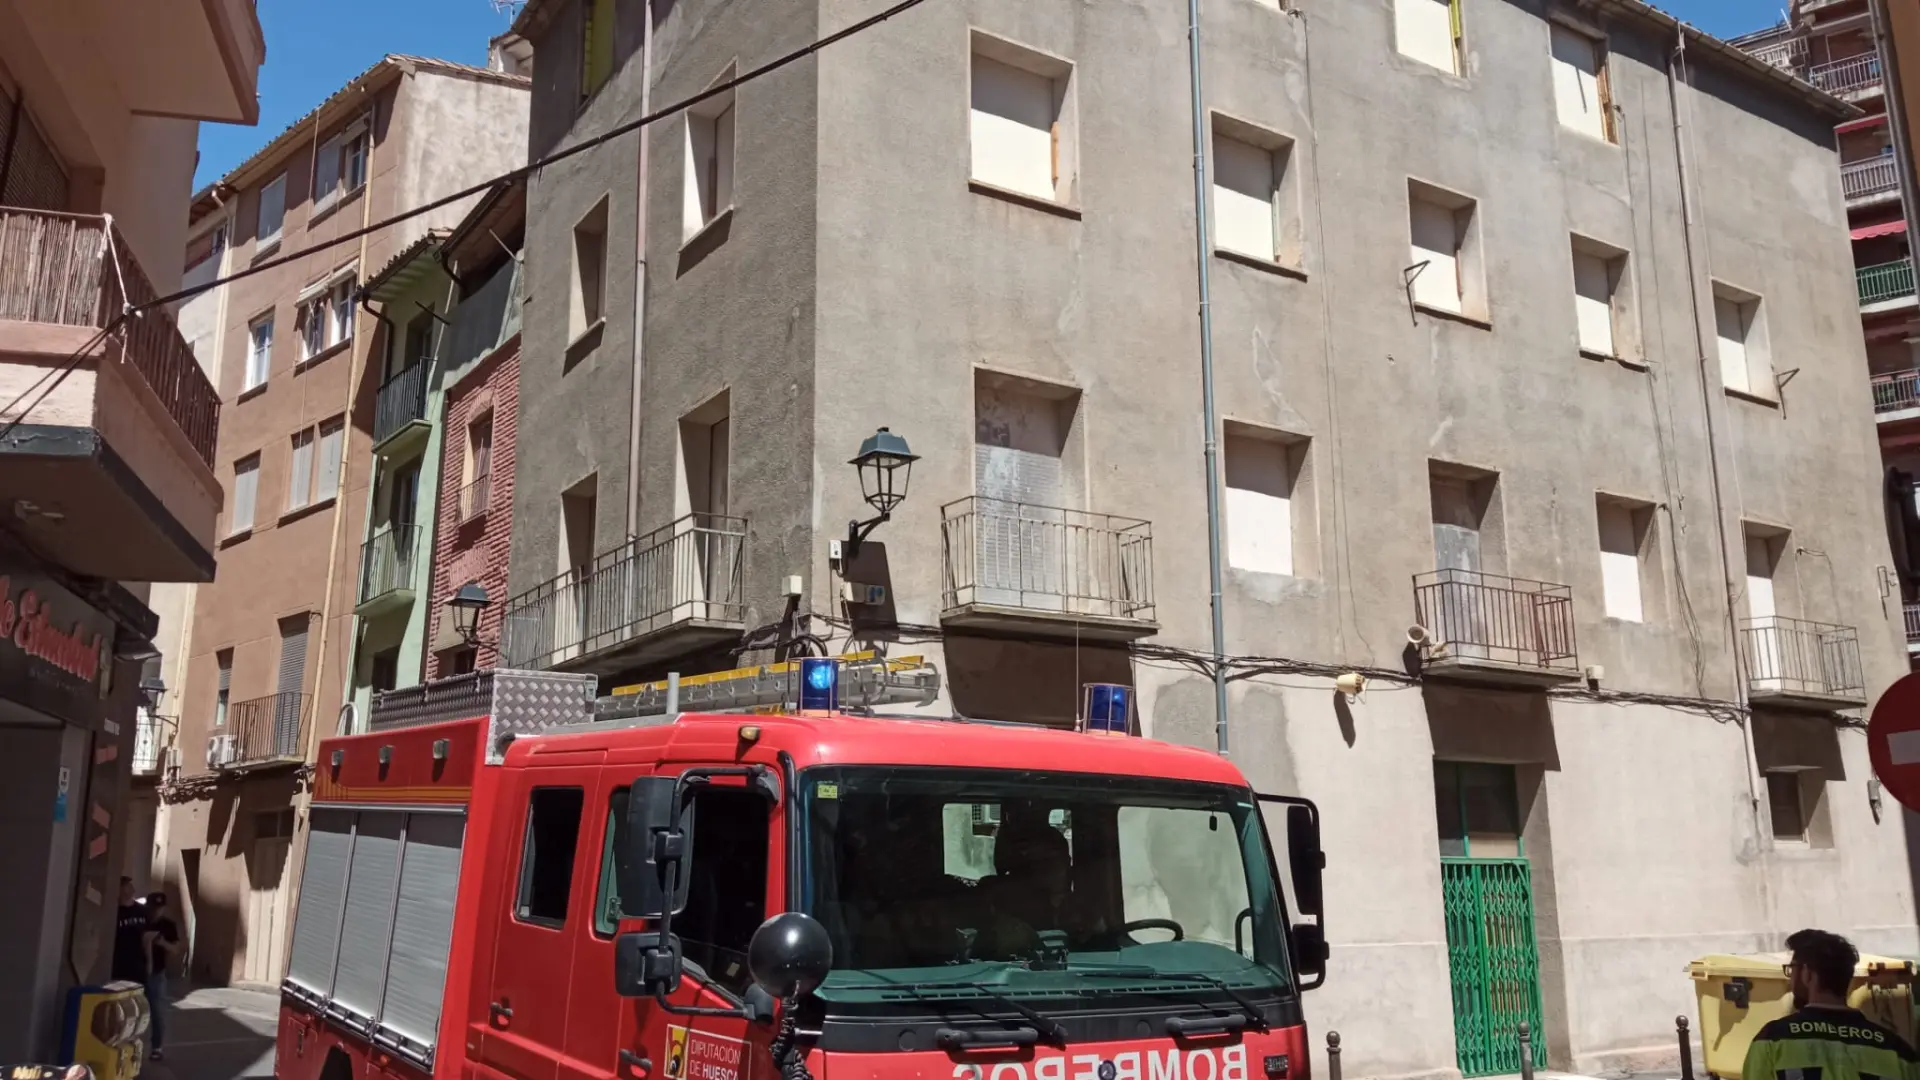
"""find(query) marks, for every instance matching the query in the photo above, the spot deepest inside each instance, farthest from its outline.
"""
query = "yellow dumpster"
(1741, 994)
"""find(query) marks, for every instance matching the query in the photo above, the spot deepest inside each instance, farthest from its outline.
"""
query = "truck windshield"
(1038, 885)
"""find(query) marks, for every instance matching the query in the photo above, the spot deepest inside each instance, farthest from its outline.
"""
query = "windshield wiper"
(1254, 1016)
(1044, 1026)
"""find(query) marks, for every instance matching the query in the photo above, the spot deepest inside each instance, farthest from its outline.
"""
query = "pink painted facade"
(473, 526)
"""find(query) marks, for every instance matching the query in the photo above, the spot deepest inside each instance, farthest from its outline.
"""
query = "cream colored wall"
(148, 184)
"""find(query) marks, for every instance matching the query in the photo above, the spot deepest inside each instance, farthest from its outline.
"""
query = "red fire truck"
(508, 877)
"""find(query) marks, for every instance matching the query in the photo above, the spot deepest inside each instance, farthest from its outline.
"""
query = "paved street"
(218, 1033)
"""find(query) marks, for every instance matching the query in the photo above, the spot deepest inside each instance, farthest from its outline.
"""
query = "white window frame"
(340, 165)
(995, 137)
(273, 193)
(321, 307)
(246, 494)
(259, 353)
(328, 460)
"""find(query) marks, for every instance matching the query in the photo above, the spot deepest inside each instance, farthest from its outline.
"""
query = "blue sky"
(315, 46)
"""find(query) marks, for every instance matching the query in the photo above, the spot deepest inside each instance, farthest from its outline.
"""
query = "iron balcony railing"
(1046, 559)
(1788, 53)
(149, 737)
(1885, 281)
(1913, 624)
(1848, 76)
(690, 570)
(76, 270)
(271, 728)
(475, 497)
(1469, 615)
(1873, 176)
(386, 561)
(401, 400)
(1799, 657)
(1896, 390)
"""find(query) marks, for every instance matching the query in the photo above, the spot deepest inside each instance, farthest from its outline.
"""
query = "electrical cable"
(534, 166)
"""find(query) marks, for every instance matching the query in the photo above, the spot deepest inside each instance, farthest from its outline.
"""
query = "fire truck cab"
(509, 878)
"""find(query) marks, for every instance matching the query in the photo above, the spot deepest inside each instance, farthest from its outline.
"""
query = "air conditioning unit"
(220, 751)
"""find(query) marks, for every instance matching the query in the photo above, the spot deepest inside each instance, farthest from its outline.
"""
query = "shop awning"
(1885, 228)
(1862, 124)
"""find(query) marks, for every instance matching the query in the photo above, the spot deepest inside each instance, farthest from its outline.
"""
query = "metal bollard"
(1686, 1048)
(1333, 1055)
(1526, 1051)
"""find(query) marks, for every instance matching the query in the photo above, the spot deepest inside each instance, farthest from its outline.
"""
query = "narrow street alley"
(219, 1033)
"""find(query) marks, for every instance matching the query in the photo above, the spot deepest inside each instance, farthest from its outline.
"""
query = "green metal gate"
(1494, 962)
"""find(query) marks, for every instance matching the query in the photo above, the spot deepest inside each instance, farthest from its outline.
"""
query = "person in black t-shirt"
(132, 938)
(166, 944)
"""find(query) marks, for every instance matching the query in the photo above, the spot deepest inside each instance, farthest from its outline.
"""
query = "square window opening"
(1022, 120)
(586, 297)
(1269, 516)
(1602, 300)
(1429, 31)
(1580, 87)
(709, 147)
(1255, 196)
(1444, 267)
(1740, 334)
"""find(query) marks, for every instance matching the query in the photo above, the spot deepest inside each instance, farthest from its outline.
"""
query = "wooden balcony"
(108, 423)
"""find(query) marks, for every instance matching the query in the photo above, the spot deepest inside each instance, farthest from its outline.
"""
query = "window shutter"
(371, 881)
(246, 480)
(300, 476)
(422, 930)
(327, 483)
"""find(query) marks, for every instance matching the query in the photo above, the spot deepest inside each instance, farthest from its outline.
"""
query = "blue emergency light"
(1107, 708)
(819, 684)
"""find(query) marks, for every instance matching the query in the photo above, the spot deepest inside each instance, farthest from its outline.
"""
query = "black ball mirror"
(790, 955)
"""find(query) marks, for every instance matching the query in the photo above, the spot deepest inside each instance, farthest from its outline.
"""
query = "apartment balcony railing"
(1788, 53)
(1896, 391)
(402, 401)
(1912, 612)
(1854, 75)
(267, 730)
(669, 592)
(475, 497)
(1885, 281)
(76, 270)
(1872, 176)
(386, 563)
(1017, 565)
(149, 744)
(1492, 628)
(1800, 664)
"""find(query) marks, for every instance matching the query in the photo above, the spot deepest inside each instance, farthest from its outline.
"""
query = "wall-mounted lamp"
(885, 464)
(467, 604)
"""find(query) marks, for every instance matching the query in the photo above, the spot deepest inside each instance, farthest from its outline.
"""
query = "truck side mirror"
(646, 964)
(1305, 860)
(651, 863)
(789, 955)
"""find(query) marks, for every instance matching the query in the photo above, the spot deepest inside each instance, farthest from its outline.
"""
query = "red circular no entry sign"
(1893, 740)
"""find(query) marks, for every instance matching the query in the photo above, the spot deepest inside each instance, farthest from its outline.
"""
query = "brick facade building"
(472, 534)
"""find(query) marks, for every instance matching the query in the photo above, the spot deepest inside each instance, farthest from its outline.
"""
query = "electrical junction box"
(855, 593)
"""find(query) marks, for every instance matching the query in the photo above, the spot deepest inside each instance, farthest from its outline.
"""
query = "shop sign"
(54, 647)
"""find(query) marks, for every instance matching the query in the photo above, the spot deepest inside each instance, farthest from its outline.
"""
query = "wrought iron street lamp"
(467, 604)
(885, 464)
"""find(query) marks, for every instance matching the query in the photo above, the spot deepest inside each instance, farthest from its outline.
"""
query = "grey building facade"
(1534, 330)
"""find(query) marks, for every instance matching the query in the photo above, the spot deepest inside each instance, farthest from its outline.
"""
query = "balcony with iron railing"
(475, 497)
(1884, 282)
(400, 412)
(670, 592)
(1896, 394)
(1912, 613)
(140, 502)
(1794, 663)
(1869, 177)
(1852, 77)
(1496, 629)
(268, 730)
(386, 568)
(1046, 569)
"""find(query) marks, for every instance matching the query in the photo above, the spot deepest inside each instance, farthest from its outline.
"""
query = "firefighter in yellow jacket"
(1823, 1039)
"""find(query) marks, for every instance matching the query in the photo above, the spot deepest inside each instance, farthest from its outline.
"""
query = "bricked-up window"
(1444, 262)
(1580, 82)
(1269, 530)
(272, 211)
(1254, 201)
(1603, 300)
(546, 855)
(1429, 31)
(588, 292)
(1022, 114)
(1623, 534)
(246, 488)
(1740, 332)
(708, 176)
